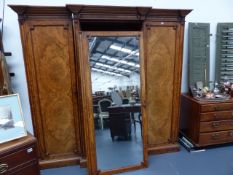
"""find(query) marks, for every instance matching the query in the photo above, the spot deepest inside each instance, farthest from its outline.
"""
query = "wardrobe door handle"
(3, 168)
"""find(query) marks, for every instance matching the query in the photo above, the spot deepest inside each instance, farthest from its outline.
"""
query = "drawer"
(216, 107)
(31, 168)
(215, 138)
(221, 115)
(216, 125)
(19, 157)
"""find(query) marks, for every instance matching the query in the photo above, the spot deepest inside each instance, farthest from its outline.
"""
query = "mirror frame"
(88, 105)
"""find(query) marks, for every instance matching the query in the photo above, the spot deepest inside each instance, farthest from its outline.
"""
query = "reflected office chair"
(103, 110)
(139, 120)
(125, 101)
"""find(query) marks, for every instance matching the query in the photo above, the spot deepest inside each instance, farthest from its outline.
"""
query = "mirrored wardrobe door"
(116, 100)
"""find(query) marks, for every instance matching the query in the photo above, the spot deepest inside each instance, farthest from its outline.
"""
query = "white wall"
(133, 80)
(101, 82)
(211, 11)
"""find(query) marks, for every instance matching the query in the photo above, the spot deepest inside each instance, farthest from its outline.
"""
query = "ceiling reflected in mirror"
(118, 56)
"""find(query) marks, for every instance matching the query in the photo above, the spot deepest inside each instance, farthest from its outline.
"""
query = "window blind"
(198, 52)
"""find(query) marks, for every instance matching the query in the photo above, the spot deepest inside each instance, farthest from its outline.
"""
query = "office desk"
(120, 119)
(126, 108)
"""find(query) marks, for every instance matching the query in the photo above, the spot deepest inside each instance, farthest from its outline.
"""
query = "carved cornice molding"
(92, 12)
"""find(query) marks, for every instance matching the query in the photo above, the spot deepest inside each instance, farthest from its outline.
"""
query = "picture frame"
(12, 124)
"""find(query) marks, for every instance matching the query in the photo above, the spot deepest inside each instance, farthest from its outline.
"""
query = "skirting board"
(83, 163)
(54, 163)
(164, 148)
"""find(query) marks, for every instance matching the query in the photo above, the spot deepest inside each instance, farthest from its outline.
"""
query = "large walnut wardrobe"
(52, 45)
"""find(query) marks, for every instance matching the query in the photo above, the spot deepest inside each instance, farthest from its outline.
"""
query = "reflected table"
(120, 118)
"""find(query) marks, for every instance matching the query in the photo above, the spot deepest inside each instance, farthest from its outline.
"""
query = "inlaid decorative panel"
(52, 61)
(160, 79)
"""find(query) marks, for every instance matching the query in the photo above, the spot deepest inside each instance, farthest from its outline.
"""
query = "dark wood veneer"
(20, 156)
(206, 122)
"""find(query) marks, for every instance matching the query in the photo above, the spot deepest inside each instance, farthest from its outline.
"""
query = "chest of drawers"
(19, 157)
(206, 123)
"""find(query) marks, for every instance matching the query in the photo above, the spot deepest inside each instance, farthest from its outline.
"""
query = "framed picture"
(12, 125)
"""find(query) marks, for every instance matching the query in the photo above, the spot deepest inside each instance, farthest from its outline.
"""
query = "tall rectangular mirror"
(117, 99)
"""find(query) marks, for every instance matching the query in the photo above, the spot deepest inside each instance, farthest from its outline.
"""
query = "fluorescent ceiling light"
(129, 51)
(120, 49)
(106, 72)
(112, 67)
(120, 61)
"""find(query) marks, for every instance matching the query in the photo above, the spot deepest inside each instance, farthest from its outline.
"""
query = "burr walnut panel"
(160, 72)
(51, 75)
(54, 80)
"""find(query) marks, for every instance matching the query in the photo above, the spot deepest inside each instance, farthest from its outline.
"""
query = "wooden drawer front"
(221, 115)
(18, 158)
(216, 125)
(217, 107)
(29, 169)
(215, 138)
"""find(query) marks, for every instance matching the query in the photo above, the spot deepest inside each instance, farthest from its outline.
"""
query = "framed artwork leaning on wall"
(12, 125)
